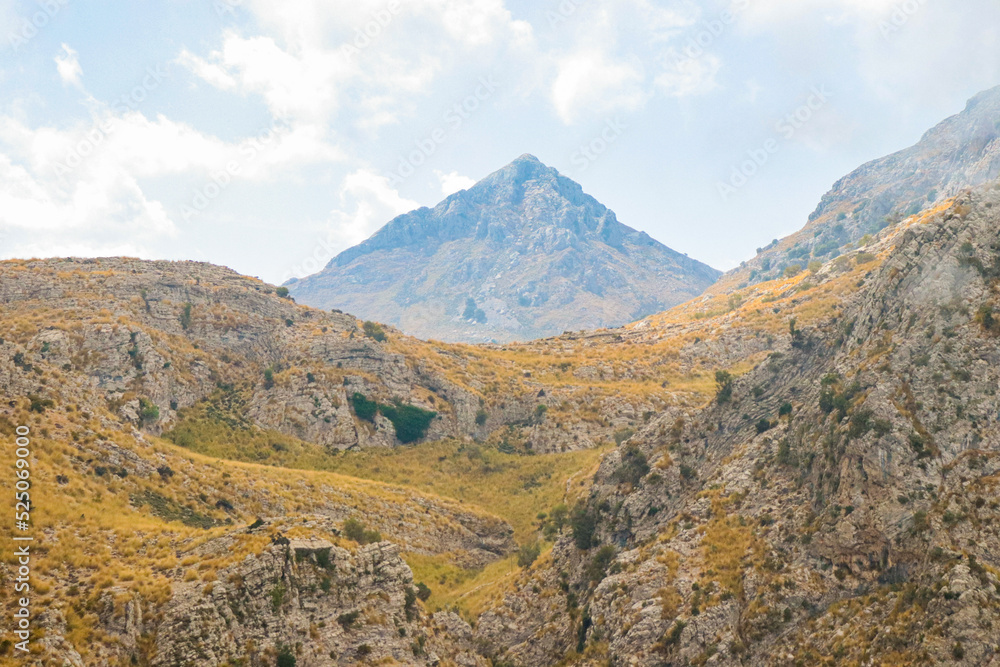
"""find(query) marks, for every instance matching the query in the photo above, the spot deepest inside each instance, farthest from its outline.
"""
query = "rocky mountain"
(523, 254)
(961, 152)
(835, 505)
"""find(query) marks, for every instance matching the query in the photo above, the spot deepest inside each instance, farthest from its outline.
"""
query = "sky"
(269, 135)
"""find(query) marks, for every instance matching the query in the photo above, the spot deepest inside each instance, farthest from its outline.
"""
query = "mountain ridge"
(960, 152)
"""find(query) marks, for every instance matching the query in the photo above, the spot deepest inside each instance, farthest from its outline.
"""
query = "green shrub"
(528, 554)
(374, 331)
(598, 567)
(268, 378)
(409, 601)
(355, 530)
(185, 317)
(411, 423)
(277, 597)
(861, 424)
(364, 409)
(148, 412)
(584, 525)
(481, 417)
(633, 468)
(282, 292)
(986, 319)
(285, 657)
(793, 270)
(39, 405)
(724, 387)
(785, 455)
(423, 592)
(348, 619)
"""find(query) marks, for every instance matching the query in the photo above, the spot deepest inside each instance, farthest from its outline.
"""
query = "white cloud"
(214, 74)
(302, 85)
(623, 53)
(588, 82)
(478, 22)
(453, 182)
(68, 66)
(367, 201)
(100, 201)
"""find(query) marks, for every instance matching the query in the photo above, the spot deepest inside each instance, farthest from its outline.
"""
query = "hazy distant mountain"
(962, 151)
(523, 254)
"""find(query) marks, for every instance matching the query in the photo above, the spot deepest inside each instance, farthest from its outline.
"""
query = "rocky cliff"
(523, 254)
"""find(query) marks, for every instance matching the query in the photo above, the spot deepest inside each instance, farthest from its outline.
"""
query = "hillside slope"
(835, 505)
(523, 254)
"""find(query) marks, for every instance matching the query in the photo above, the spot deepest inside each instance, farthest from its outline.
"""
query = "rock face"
(838, 506)
(307, 599)
(960, 152)
(522, 254)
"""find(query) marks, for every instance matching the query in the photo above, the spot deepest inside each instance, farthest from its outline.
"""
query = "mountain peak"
(527, 157)
(524, 253)
(525, 168)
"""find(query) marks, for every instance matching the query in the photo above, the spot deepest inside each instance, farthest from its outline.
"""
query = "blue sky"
(267, 136)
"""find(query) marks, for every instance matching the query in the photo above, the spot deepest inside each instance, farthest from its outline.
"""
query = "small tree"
(186, 316)
(423, 592)
(528, 554)
(584, 525)
(724, 387)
